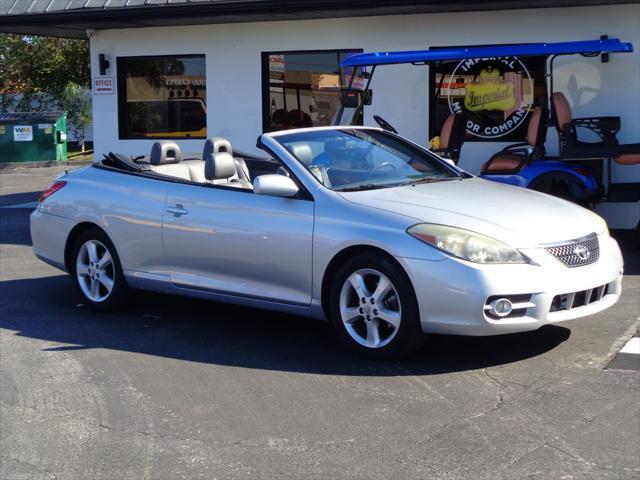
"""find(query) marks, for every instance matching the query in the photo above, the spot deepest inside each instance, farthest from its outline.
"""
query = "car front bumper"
(453, 294)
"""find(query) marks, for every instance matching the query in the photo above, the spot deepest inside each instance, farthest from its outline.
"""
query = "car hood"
(519, 217)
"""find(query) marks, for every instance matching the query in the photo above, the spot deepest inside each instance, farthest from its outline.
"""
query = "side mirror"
(367, 97)
(274, 185)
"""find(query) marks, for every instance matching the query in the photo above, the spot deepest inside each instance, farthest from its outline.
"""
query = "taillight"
(50, 190)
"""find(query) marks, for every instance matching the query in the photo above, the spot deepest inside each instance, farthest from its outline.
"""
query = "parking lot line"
(632, 346)
(629, 356)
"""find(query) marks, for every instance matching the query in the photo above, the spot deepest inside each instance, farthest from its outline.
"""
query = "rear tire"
(374, 309)
(97, 273)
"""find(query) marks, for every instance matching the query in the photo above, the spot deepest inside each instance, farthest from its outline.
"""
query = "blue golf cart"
(575, 174)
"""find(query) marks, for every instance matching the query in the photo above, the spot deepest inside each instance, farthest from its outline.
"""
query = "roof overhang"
(76, 23)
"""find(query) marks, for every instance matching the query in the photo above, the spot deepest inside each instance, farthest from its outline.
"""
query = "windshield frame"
(423, 153)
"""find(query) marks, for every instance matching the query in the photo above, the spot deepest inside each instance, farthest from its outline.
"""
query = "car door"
(233, 241)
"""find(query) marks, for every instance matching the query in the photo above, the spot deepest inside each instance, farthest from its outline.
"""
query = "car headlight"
(466, 244)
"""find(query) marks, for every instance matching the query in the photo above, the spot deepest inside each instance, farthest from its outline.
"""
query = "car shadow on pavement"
(17, 198)
(14, 226)
(14, 222)
(219, 334)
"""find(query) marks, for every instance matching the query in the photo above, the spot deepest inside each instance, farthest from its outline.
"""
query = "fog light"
(501, 307)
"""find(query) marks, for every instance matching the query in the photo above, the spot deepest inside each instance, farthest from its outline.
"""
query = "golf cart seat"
(515, 157)
(571, 147)
(504, 163)
(452, 135)
(628, 154)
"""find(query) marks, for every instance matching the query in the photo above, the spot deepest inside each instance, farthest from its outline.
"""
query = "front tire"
(563, 186)
(374, 309)
(97, 273)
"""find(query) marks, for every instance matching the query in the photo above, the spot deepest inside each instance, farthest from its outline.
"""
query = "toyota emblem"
(582, 252)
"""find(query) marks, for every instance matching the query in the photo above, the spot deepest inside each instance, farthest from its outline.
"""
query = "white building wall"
(234, 80)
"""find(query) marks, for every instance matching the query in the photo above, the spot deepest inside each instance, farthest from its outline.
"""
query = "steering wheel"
(383, 165)
(384, 124)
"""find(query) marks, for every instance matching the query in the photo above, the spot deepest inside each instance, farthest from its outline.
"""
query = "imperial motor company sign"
(496, 87)
(489, 96)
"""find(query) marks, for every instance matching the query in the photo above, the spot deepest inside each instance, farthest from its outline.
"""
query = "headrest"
(216, 145)
(164, 152)
(302, 152)
(219, 166)
(561, 109)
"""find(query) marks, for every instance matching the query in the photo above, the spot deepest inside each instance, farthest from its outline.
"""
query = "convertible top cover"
(512, 50)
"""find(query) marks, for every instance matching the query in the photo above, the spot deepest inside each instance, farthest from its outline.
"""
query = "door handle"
(178, 210)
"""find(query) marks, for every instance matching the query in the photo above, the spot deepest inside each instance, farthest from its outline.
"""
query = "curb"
(11, 166)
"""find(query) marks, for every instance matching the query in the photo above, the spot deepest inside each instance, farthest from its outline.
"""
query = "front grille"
(567, 301)
(578, 252)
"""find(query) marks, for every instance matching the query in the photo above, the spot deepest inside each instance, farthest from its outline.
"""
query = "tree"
(30, 64)
(43, 73)
(77, 103)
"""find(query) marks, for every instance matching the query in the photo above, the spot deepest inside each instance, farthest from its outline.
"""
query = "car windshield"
(360, 159)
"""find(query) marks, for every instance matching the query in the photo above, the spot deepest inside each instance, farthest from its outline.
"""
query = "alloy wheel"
(95, 271)
(370, 308)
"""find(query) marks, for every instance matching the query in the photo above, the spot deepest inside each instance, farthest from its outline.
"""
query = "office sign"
(103, 86)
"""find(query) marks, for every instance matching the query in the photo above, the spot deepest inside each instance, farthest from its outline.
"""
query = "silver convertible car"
(351, 224)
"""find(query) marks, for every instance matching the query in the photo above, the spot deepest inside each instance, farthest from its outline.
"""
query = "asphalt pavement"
(178, 388)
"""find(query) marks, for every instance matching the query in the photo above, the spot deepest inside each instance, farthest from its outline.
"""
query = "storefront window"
(162, 97)
(302, 89)
(496, 95)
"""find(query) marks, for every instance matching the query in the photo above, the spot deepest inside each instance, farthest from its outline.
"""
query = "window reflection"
(162, 97)
(304, 88)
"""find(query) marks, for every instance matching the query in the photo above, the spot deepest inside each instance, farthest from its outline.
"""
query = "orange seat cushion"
(628, 159)
(504, 163)
(562, 109)
(445, 133)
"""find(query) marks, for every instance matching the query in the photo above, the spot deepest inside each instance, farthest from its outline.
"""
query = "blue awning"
(514, 50)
